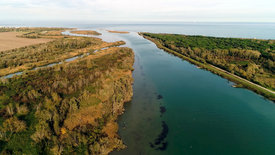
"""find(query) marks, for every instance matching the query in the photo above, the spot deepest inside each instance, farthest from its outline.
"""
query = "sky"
(139, 10)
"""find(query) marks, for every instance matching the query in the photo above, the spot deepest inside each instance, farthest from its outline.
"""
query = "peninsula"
(248, 62)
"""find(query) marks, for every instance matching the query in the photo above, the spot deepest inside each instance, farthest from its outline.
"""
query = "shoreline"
(269, 94)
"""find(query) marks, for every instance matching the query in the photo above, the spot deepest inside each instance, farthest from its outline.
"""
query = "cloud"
(139, 10)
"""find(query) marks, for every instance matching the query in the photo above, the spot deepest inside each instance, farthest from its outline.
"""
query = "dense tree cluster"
(69, 108)
(252, 59)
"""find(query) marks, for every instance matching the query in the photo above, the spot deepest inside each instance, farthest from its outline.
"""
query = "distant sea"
(216, 29)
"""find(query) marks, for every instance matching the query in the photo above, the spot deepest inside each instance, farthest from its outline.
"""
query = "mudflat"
(8, 40)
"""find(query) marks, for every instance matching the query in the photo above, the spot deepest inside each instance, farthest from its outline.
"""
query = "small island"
(86, 32)
(121, 32)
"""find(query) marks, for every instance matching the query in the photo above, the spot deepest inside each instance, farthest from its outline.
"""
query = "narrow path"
(159, 45)
(243, 79)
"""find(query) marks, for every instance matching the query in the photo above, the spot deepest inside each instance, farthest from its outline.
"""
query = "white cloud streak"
(139, 10)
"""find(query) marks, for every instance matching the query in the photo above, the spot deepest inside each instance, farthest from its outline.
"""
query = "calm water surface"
(180, 109)
(203, 114)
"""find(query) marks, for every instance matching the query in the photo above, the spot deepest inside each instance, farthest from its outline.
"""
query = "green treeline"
(29, 29)
(252, 59)
(69, 108)
(35, 32)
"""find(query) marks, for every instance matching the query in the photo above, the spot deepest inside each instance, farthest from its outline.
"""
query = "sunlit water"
(180, 109)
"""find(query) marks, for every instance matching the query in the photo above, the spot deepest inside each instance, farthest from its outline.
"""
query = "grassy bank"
(240, 81)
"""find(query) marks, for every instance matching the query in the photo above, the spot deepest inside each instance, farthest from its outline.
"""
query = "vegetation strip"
(86, 32)
(241, 81)
(121, 32)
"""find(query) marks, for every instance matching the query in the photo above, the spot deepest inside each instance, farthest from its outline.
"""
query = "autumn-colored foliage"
(70, 108)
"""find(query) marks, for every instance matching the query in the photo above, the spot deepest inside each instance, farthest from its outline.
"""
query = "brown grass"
(111, 129)
(88, 32)
(84, 116)
(8, 40)
(53, 33)
(122, 32)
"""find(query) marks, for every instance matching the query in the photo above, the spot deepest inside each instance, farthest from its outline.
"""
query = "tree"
(12, 125)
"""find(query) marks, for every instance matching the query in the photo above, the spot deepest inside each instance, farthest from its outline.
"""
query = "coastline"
(269, 94)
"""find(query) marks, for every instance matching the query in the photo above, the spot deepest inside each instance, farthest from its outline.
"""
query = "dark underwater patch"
(160, 143)
(159, 97)
(162, 109)
(163, 146)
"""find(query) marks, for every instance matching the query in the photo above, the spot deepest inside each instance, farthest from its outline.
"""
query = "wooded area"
(68, 108)
(252, 59)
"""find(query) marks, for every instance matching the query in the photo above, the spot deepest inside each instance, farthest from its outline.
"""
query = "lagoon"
(203, 113)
